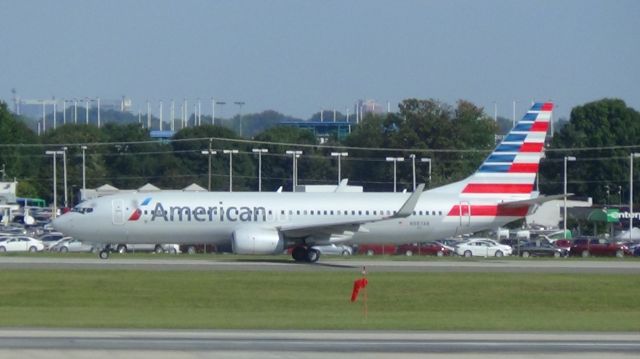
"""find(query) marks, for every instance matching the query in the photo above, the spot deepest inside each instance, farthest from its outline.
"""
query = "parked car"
(199, 248)
(588, 246)
(539, 249)
(484, 247)
(51, 239)
(371, 249)
(68, 244)
(425, 249)
(335, 249)
(157, 248)
(563, 244)
(20, 244)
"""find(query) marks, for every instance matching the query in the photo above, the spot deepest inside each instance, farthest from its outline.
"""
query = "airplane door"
(464, 217)
(118, 211)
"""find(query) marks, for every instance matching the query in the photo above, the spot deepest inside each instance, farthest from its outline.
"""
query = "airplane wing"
(341, 227)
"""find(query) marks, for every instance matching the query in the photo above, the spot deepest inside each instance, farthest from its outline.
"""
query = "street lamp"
(64, 176)
(209, 153)
(564, 218)
(260, 151)
(339, 155)
(231, 153)
(55, 184)
(395, 160)
(427, 159)
(84, 166)
(294, 175)
(631, 157)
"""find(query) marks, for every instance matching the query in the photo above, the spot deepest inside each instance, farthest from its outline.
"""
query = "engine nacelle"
(257, 241)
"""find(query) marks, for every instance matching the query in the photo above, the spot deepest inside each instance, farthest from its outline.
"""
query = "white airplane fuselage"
(212, 217)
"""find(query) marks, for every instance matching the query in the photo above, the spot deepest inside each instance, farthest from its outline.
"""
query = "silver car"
(157, 248)
(69, 244)
(335, 249)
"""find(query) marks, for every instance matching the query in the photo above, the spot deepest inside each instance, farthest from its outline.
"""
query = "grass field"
(303, 300)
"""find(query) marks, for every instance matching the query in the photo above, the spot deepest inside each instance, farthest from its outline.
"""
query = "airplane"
(499, 192)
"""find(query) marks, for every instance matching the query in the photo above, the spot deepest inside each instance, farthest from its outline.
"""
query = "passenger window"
(359, 213)
(353, 213)
(332, 213)
(366, 212)
(298, 212)
(305, 212)
(312, 212)
(282, 212)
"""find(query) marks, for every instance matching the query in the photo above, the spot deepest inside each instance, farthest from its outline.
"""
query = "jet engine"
(257, 241)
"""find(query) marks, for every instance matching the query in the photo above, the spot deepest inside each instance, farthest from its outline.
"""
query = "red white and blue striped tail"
(509, 173)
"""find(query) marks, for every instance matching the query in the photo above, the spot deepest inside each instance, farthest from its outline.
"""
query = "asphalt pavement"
(560, 265)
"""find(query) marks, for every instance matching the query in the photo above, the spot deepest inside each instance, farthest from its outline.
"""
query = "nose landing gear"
(104, 252)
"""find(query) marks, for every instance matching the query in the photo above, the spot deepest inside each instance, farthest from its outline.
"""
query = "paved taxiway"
(454, 265)
(309, 344)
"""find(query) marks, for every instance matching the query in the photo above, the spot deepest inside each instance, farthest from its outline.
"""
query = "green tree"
(592, 130)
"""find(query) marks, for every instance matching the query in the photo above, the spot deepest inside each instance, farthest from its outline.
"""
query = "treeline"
(456, 139)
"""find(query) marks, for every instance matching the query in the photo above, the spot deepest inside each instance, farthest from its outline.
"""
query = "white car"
(20, 244)
(484, 247)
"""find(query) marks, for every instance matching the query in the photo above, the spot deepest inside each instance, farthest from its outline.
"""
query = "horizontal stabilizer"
(528, 202)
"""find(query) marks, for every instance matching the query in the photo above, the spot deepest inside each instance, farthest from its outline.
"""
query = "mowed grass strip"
(302, 300)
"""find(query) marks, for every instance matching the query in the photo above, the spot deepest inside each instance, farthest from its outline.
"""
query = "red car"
(425, 249)
(371, 249)
(598, 247)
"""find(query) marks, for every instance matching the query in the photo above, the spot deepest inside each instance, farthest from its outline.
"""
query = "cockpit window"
(82, 210)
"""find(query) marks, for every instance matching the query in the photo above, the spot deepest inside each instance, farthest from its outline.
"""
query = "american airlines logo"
(208, 214)
(138, 212)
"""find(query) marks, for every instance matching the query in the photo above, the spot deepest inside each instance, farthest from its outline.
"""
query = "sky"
(298, 57)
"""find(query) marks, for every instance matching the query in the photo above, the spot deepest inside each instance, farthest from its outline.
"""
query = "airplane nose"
(63, 224)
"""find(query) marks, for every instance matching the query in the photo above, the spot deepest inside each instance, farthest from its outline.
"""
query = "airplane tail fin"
(510, 171)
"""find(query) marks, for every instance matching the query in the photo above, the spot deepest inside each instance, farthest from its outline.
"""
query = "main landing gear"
(305, 254)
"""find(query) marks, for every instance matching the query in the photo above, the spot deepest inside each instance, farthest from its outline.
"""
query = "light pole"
(260, 151)
(84, 167)
(428, 160)
(395, 160)
(64, 176)
(631, 157)
(339, 155)
(413, 170)
(98, 100)
(86, 103)
(564, 218)
(231, 153)
(294, 154)
(209, 153)
(240, 104)
(55, 154)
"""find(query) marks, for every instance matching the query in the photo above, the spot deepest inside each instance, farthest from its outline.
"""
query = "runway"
(311, 344)
(234, 264)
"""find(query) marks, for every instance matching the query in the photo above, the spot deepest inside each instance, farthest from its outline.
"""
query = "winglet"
(407, 208)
